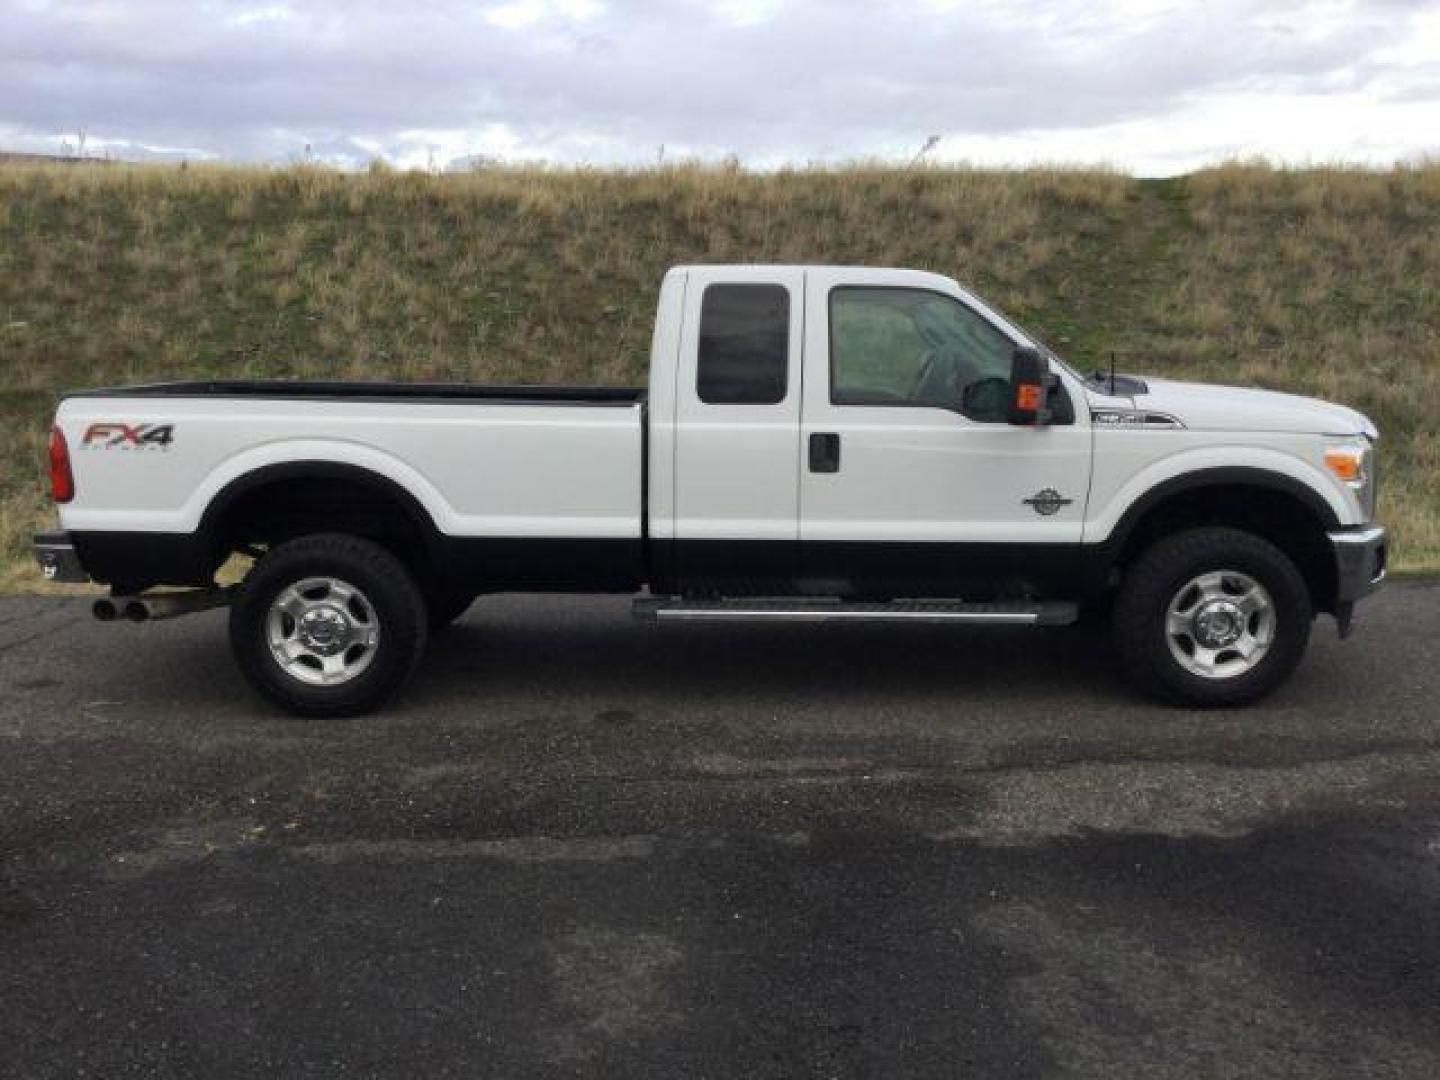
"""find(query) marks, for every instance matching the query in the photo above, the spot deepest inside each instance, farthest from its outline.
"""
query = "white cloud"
(1147, 85)
(1351, 129)
(520, 13)
(746, 12)
(270, 13)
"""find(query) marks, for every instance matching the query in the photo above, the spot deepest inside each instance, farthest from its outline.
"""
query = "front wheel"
(1211, 616)
(328, 625)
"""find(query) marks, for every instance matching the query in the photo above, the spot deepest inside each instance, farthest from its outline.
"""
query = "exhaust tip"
(104, 610)
(135, 611)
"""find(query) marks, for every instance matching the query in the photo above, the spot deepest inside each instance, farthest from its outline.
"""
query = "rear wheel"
(1211, 617)
(328, 625)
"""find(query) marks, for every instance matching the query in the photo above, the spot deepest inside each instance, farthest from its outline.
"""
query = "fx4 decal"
(130, 436)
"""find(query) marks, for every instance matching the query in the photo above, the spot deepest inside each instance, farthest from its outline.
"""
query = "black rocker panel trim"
(133, 561)
(542, 564)
(966, 570)
(871, 568)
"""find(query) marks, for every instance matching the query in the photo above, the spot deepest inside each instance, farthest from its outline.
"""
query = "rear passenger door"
(737, 430)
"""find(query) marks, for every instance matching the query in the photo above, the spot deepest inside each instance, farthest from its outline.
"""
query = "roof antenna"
(1112, 372)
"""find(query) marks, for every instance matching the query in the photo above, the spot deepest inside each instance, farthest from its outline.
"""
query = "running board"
(825, 609)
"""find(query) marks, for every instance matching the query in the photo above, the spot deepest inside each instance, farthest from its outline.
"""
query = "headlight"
(1353, 464)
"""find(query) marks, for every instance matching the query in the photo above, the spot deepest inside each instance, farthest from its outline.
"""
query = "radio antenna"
(1112, 371)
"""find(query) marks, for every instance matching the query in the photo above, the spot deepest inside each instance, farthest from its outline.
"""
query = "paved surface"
(582, 846)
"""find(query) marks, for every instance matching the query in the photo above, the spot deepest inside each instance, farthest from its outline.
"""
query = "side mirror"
(1029, 388)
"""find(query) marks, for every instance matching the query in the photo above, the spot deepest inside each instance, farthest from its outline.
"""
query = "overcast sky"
(1148, 86)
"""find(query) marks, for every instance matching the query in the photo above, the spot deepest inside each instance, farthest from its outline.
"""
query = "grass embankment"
(1318, 281)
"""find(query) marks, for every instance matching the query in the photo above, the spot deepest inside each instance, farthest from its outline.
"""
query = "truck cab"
(845, 431)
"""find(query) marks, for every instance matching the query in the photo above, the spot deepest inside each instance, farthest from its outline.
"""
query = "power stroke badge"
(1047, 502)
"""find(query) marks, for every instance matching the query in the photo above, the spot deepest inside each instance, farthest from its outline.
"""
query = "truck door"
(737, 423)
(912, 483)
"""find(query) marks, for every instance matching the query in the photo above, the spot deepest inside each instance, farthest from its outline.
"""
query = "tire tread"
(390, 585)
(1148, 586)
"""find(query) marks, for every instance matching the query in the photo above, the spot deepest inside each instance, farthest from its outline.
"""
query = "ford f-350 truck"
(816, 443)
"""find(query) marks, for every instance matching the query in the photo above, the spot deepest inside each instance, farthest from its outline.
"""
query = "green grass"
(1317, 281)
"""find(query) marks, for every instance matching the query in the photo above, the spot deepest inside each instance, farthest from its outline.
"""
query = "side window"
(915, 347)
(744, 345)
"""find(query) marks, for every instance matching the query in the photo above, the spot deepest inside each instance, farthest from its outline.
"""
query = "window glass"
(914, 347)
(744, 344)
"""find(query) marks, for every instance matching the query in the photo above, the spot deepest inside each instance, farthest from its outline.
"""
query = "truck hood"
(1202, 407)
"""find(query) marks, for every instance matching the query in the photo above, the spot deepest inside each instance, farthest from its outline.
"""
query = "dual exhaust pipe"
(140, 609)
(108, 610)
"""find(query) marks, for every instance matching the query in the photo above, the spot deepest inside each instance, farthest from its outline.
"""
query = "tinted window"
(914, 347)
(744, 344)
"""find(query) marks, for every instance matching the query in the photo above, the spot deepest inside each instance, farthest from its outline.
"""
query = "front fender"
(1214, 466)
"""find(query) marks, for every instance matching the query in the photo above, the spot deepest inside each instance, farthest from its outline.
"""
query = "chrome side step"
(826, 609)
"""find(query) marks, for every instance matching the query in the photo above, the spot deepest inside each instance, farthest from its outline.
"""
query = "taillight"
(62, 480)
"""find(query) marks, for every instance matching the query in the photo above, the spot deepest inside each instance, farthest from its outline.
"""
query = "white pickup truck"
(816, 443)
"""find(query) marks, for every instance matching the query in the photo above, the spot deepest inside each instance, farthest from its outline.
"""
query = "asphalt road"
(583, 846)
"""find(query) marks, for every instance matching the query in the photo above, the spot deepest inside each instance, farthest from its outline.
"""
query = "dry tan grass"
(1326, 282)
(1318, 281)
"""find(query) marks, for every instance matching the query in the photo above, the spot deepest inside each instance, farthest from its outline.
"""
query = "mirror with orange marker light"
(1029, 388)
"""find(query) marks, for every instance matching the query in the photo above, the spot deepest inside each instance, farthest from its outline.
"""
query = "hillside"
(1321, 281)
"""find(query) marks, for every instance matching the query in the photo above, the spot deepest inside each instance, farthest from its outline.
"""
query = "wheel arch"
(276, 502)
(1281, 509)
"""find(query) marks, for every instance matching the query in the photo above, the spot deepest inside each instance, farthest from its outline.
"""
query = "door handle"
(824, 452)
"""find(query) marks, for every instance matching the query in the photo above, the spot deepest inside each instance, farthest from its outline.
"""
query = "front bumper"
(1360, 558)
(58, 559)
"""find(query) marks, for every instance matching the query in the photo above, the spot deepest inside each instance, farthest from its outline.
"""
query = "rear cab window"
(744, 354)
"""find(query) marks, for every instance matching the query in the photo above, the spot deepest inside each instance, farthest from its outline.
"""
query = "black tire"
(1138, 618)
(392, 598)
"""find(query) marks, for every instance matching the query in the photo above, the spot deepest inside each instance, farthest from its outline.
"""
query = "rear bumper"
(1361, 554)
(58, 559)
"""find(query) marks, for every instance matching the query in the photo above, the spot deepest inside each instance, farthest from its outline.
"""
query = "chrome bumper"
(55, 552)
(1360, 557)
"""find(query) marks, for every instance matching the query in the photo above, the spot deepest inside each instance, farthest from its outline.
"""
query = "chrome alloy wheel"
(1220, 624)
(322, 631)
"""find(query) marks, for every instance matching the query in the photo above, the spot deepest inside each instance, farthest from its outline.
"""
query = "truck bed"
(540, 485)
(322, 390)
